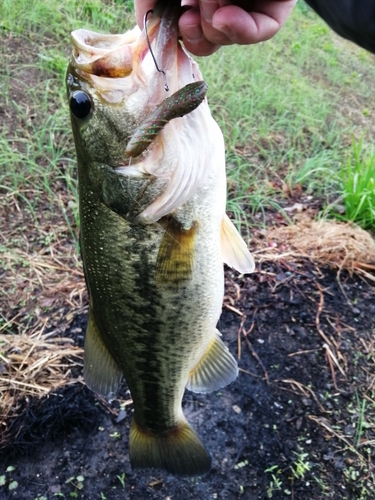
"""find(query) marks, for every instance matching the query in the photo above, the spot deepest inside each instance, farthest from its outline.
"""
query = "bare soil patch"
(289, 427)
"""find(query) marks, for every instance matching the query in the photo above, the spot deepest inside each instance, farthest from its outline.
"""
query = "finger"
(192, 34)
(251, 27)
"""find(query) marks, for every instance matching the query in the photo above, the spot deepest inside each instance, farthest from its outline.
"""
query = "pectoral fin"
(234, 249)
(176, 253)
(217, 368)
(102, 375)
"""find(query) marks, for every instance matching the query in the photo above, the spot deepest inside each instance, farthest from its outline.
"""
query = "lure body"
(179, 104)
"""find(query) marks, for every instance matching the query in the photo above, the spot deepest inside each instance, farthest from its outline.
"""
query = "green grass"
(278, 103)
(357, 177)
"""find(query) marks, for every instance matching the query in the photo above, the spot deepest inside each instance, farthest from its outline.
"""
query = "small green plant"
(241, 464)
(12, 485)
(122, 479)
(300, 466)
(77, 482)
(358, 186)
(276, 482)
(361, 416)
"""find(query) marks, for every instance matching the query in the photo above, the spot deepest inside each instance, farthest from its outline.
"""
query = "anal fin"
(217, 368)
(178, 450)
(102, 375)
(234, 249)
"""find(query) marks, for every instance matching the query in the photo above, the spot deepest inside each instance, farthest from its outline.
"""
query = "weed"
(122, 479)
(300, 466)
(4, 478)
(360, 422)
(241, 464)
(275, 483)
(357, 176)
(13, 485)
(77, 482)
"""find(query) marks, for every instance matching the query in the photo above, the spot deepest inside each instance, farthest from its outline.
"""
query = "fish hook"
(152, 54)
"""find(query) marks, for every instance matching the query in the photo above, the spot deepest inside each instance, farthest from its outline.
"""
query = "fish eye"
(80, 104)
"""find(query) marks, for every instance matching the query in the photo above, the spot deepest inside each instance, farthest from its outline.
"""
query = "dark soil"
(284, 430)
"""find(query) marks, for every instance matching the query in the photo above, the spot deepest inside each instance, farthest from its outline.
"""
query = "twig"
(330, 353)
(243, 319)
(318, 313)
(301, 352)
(303, 389)
(322, 422)
(248, 373)
(329, 359)
(254, 354)
(231, 308)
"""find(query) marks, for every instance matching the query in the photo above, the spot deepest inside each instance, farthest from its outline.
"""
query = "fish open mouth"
(122, 74)
(121, 55)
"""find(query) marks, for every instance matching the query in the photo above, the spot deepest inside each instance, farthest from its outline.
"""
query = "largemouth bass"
(154, 233)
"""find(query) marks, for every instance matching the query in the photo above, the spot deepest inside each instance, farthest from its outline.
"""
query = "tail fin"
(178, 451)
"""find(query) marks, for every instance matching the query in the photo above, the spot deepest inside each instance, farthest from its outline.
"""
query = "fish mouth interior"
(104, 55)
(117, 56)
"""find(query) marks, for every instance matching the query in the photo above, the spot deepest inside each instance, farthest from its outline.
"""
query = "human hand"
(206, 25)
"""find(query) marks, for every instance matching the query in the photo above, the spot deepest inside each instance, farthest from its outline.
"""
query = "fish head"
(114, 84)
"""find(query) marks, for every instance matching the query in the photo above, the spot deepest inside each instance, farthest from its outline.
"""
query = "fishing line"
(152, 54)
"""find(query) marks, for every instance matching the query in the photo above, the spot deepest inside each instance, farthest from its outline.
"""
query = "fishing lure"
(181, 103)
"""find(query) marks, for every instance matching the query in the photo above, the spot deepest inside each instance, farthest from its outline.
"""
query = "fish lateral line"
(179, 104)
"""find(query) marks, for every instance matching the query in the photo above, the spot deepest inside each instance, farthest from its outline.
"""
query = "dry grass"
(335, 244)
(42, 278)
(32, 366)
(43, 290)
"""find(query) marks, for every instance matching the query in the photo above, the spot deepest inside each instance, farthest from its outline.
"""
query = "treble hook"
(152, 54)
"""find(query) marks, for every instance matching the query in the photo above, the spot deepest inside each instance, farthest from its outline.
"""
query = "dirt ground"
(276, 432)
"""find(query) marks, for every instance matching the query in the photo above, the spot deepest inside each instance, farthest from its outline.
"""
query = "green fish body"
(154, 235)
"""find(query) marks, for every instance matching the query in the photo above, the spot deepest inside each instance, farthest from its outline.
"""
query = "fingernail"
(226, 30)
